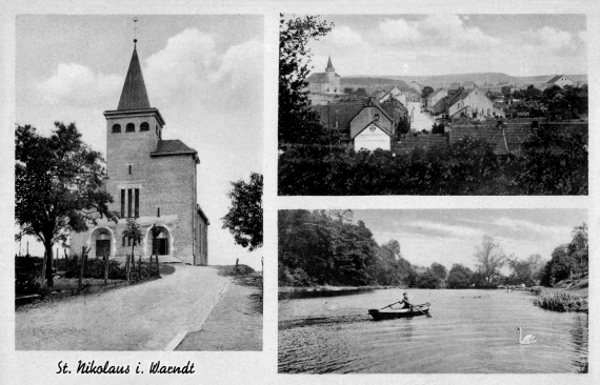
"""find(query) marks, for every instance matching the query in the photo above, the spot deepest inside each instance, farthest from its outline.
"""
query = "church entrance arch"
(101, 243)
(161, 241)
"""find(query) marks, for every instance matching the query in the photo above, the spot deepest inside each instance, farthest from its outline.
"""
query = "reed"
(561, 301)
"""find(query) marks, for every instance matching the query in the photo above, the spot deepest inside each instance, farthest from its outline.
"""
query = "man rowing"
(404, 301)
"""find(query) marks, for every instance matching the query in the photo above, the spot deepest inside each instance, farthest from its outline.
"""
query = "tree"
(459, 277)
(403, 126)
(427, 280)
(521, 272)
(437, 128)
(58, 186)
(297, 124)
(426, 91)
(490, 259)
(440, 272)
(560, 266)
(506, 90)
(578, 248)
(133, 233)
(245, 217)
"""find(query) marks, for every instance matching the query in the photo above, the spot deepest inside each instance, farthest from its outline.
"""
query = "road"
(421, 121)
(140, 317)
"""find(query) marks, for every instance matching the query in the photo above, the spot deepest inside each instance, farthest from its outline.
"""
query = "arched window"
(144, 126)
(130, 127)
(116, 128)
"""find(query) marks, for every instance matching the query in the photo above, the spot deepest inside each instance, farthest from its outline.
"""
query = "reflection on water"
(470, 331)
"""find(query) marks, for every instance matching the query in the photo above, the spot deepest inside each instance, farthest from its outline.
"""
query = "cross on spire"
(135, 20)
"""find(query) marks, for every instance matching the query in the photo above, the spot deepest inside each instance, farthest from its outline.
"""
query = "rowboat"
(380, 314)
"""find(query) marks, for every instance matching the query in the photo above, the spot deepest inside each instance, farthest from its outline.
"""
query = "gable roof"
(460, 95)
(173, 147)
(343, 113)
(375, 123)
(319, 77)
(134, 96)
(555, 79)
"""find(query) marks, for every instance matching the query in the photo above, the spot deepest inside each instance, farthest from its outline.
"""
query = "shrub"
(561, 301)
(94, 268)
(27, 271)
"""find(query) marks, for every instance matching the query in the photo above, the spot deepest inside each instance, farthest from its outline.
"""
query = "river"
(469, 331)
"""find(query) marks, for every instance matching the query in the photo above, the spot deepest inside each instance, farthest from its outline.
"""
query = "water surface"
(470, 331)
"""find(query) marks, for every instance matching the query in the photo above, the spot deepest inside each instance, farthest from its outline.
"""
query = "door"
(102, 248)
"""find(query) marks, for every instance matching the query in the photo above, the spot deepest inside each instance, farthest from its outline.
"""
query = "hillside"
(372, 83)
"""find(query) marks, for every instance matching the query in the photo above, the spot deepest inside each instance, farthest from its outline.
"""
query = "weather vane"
(135, 20)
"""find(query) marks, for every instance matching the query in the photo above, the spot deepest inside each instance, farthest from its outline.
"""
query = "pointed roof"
(134, 96)
(329, 65)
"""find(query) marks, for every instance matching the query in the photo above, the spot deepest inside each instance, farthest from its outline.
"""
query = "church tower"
(151, 180)
(133, 131)
(330, 71)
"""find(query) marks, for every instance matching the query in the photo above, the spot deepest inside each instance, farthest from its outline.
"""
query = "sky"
(452, 235)
(440, 44)
(205, 77)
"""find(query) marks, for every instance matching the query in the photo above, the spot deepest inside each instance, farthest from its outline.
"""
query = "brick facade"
(150, 179)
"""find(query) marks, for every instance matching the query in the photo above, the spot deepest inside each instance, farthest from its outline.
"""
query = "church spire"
(134, 96)
(329, 65)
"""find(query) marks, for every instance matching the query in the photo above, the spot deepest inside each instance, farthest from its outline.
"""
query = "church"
(327, 82)
(150, 179)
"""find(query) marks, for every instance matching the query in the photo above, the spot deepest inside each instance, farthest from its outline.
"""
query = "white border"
(261, 367)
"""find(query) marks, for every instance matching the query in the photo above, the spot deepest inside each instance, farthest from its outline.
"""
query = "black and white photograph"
(437, 104)
(288, 192)
(433, 291)
(138, 195)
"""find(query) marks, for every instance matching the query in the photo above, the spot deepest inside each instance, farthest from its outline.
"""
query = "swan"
(331, 307)
(528, 340)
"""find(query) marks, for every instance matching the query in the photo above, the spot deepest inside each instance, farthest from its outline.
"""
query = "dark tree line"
(552, 162)
(327, 248)
(553, 104)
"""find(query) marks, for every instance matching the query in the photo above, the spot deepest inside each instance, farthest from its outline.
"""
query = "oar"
(419, 309)
(389, 305)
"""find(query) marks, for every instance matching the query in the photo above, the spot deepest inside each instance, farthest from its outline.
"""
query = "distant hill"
(372, 83)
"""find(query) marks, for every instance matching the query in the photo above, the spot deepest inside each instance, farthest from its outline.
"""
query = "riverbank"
(293, 292)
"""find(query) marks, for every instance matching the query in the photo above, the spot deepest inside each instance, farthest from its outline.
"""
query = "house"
(472, 103)
(372, 128)
(435, 97)
(561, 81)
(152, 181)
(367, 125)
(327, 82)
(394, 93)
(416, 87)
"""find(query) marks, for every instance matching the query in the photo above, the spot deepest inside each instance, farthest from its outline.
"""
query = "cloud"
(190, 69)
(445, 32)
(344, 36)
(444, 230)
(187, 70)
(77, 85)
(523, 226)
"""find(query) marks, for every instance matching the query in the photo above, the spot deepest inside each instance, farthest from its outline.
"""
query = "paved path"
(234, 324)
(140, 317)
